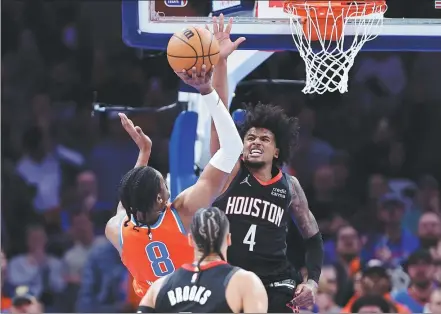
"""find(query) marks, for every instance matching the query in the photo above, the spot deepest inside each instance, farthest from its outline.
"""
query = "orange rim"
(330, 27)
(322, 7)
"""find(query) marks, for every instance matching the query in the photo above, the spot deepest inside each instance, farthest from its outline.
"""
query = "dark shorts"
(279, 294)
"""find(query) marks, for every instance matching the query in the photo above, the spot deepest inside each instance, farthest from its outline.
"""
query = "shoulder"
(17, 260)
(54, 261)
(247, 279)
(400, 295)
(152, 294)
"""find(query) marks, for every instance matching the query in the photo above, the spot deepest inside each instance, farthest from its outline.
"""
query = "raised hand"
(200, 82)
(143, 141)
(222, 35)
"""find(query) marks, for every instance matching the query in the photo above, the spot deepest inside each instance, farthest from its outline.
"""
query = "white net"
(328, 61)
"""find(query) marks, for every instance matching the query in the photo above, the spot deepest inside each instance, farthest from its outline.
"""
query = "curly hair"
(273, 118)
(138, 193)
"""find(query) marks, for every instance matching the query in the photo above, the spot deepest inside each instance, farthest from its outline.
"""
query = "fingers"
(303, 300)
(183, 75)
(215, 25)
(221, 23)
(229, 25)
(194, 73)
(238, 42)
(138, 130)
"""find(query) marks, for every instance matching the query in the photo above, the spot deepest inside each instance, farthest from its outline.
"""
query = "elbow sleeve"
(230, 142)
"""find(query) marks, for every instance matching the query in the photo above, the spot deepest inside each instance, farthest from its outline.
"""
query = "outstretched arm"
(308, 227)
(144, 144)
(212, 180)
(220, 76)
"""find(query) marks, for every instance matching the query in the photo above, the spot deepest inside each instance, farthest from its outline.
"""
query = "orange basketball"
(192, 47)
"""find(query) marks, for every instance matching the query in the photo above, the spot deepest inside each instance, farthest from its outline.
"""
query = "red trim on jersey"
(209, 265)
(271, 181)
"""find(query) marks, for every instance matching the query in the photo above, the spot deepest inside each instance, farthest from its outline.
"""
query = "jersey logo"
(278, 192)
(246, 181)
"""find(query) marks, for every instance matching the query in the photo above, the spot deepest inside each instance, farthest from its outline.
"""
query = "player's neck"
(209, 259)
(263, 174)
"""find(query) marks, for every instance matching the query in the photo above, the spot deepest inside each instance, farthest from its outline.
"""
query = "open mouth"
(255, 152)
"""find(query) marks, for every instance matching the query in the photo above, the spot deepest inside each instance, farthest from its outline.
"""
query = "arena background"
(369, 160)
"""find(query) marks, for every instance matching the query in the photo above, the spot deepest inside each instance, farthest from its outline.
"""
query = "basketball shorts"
(279, 295)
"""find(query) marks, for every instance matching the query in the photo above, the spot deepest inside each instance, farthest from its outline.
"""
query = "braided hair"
(208, 229)
(138, 194)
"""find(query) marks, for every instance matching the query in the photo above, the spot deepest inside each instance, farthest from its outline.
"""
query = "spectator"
(395, 244)
(375, 281)
(75, 258)
(347, 264)
(311, 152)
(322, 201)
(328, 288)
(371, 304)
(36, 269)
(434, 305)
(429, 230)
(24, 302)
(366, 219)
(6, 301)
(103, 286)
(85, 198)
(421, 269)
(427, 200)
(42, 166)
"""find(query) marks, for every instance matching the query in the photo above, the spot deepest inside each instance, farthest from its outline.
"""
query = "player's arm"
(254, 296)
(309, 230)
(220, 76)
(144, 144)
(148, 302)
(212, 180)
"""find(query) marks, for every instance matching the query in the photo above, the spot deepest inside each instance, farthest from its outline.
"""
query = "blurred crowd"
(369, 161)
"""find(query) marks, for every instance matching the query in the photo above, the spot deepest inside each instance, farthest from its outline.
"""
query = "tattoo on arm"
(304, 219)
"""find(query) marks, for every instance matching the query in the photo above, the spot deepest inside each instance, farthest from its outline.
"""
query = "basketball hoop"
(318, 29)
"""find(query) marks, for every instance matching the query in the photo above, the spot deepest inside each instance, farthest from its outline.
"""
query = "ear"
(229, 239)
(276, 153)
(159, 198)
(190, 240)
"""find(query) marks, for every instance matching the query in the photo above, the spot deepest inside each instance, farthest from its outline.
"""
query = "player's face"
(259, 147)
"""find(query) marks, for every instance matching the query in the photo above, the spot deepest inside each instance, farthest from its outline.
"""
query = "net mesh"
(319, 34)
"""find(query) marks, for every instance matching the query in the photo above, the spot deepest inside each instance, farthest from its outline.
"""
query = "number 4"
(250, 236)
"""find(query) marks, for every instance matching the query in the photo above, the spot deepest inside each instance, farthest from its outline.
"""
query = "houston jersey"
(149, 259)
(180, 294)
(258, 214)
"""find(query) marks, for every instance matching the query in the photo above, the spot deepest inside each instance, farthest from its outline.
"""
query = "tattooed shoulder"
(304, 219)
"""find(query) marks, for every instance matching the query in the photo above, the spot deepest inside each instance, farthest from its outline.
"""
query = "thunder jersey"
(149, 259)
(180, 293)
(259, 216)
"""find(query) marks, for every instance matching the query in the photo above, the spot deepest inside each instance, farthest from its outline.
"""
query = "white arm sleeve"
(230, 142)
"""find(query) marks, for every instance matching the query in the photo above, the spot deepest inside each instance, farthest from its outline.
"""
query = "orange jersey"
(147, 260)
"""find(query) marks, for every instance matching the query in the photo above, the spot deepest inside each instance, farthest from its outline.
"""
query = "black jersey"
(180, 294)
(258, 214)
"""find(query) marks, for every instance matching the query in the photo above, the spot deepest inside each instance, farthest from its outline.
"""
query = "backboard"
(149, 24)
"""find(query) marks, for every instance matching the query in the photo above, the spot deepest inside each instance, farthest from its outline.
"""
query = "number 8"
(157, 259)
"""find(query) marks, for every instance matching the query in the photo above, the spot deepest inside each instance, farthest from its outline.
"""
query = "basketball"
(192, 47)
